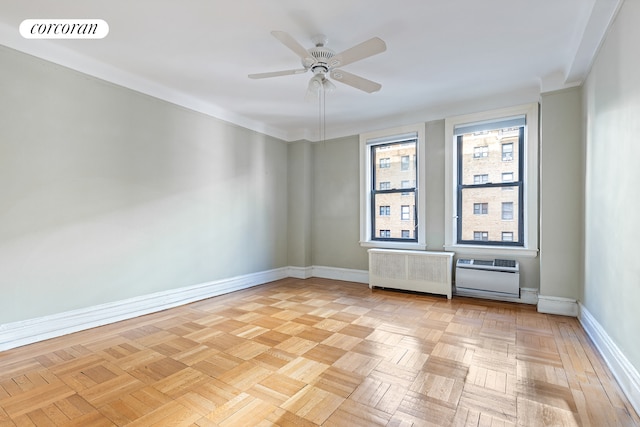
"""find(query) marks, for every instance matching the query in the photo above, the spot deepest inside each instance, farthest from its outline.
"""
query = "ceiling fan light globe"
(328, 85)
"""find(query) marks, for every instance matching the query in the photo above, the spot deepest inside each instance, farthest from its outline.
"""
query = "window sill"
(492, 251)
(394, 245)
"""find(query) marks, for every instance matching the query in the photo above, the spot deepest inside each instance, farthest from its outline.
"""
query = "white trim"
(365, 189)
(624, 372)
(49, 50)
(527, 295)
(346, 274)
(557, 305)
(492, 251)
(28, 331)
(530, 191)
(587, 41)
(300, 272)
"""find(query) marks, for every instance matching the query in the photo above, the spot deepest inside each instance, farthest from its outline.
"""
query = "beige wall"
(611, 100)
(299, 190)
(109, 194)
(561, 194)
(335, 221)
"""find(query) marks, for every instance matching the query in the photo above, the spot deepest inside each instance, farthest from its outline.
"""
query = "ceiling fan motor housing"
(322, 56)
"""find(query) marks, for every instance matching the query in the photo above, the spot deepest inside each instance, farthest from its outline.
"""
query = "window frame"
(503, 185)
(508, 158)
(529, 192)
(483, 208)
(504, 211)
(369, 140)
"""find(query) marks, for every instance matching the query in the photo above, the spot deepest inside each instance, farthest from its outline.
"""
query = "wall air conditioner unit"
(491, 278)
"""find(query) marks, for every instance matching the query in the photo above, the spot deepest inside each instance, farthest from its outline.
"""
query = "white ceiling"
(443, 56)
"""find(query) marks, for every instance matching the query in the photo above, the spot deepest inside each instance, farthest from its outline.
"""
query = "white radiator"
(419, 271)
(497, 277)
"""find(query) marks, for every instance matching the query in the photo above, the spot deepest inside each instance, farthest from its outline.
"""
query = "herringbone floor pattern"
(317, 352)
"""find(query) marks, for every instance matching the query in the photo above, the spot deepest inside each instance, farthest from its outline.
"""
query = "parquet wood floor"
(318, 352)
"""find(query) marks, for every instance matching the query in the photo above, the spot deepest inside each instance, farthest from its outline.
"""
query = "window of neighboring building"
(507, 236)
(394, 186)
(480, 152)
(404, 163)
(507, 177)
(405, 183)
(507, 210)
(481, 235)
(385, 163)
(405, 213)
(481, 178)
(507, 152)
(513, 133)
(480, 208)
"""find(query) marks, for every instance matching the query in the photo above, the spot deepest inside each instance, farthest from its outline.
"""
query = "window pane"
(482, 154)
(394, 214)
(507, 210)
(404, 163)
(394, 157)
(507, 152)
(483, 210)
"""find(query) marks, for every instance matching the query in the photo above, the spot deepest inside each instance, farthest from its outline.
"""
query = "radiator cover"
(498, 277)
(420, 271)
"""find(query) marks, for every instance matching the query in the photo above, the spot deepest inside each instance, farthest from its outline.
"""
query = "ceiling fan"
(323, 61)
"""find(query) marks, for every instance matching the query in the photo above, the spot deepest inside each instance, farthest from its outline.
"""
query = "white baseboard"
(28, 331)
(625, 373)
(300, 272)
(527, 295)
(557, 305)
(346, 274)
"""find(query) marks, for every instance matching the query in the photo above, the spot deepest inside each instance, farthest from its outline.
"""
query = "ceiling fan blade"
(356, 53)
(277, 73)
(355, 81)
(296, 47)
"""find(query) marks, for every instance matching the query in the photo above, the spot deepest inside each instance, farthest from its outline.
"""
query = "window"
(481, 179)
(385, 210)
(506, 136)
(385, 234)
(405, 213)
(507, 211)
(507, 152)
(385, 163)
(481, 235)
(480, 208)
(507, 236)
(480, 152)
(405, 234)
(404, 163)
(405, 183)
(511, 134)
(396, 186)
